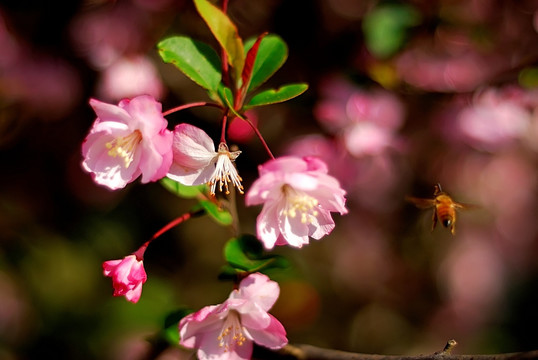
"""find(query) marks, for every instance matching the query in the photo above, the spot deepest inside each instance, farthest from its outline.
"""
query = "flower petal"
(193, 327)
(260, 289)
(146, 115)
(194, 156)
(108, 112)
(267, 225)
(273, 336)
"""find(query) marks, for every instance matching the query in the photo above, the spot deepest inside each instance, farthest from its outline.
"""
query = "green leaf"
(195, 59)
(385, 28)
(170, 330)
(218, 214)
(183, 191)
(228, 272)
(528, 77)
(246, 254)
(226, 96)
(272, 54)
(225, 32)
(274, 96)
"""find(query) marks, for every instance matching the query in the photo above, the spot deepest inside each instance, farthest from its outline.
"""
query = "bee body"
(444, 208)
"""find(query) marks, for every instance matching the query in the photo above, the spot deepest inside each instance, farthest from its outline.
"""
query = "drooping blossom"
(298, 196)
(126, 141)
(227, 331)
(127, 275)
(196, 162)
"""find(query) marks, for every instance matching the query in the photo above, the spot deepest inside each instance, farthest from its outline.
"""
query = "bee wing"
(420, 202)
(464, 206)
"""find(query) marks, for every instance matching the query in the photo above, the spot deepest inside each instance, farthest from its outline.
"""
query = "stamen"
(125, 146)
(299, 203)
(225, 172)
(232, 332)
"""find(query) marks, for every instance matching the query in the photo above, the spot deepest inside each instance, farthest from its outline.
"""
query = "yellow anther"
(299, 203)
(125, 147)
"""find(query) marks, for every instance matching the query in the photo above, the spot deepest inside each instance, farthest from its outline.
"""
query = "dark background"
(380, 283)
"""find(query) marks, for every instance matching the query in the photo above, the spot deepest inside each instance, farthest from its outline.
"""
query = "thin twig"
(309, 352)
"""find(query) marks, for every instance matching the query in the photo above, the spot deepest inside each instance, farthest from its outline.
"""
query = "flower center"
(299, 204)
(125, 146)
(232, 332)
(225, 172)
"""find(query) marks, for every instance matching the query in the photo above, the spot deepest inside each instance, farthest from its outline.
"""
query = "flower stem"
(191, 105)
(140, 252)
(223, 132)
(259, 135)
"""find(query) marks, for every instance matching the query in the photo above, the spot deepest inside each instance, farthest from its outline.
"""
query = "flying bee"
(444, 208)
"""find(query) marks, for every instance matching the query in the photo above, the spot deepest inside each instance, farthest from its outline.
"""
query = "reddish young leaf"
(249, 62)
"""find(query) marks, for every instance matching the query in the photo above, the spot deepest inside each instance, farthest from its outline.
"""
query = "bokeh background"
(403, 95)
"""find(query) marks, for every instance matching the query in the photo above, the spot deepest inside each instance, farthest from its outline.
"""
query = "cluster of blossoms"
(132, 140)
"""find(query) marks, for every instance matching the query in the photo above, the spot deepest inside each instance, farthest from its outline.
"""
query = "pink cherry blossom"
(228, 330)
(196, 162)
(297, 196)
(127, 141)
(366, 122)
(127, 275)
(495, 119)
(130, 76)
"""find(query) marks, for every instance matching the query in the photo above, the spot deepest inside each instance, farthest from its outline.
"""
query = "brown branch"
(309, 352)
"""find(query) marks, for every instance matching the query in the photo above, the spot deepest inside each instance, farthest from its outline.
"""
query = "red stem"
(191, 105)
(223, 131)
(259, 135)
(140, 252)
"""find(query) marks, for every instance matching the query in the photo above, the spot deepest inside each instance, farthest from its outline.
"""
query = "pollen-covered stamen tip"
(124, 146)
(232, 332)
(299, 203)
(225, 171)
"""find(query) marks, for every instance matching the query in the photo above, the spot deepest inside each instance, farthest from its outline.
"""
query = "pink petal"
(272, 337)
(209, 350)
(316, 164)
(267, 225)
(323, 226)
(266, 186)
(294, 231)
(106, 170)
(134, 294)
(283, 164)
(146, 115)
(193, 327)
(154, 165)
(260, 289)
(110, 265)
(194, 154)
(109, 112)
(192, 146)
